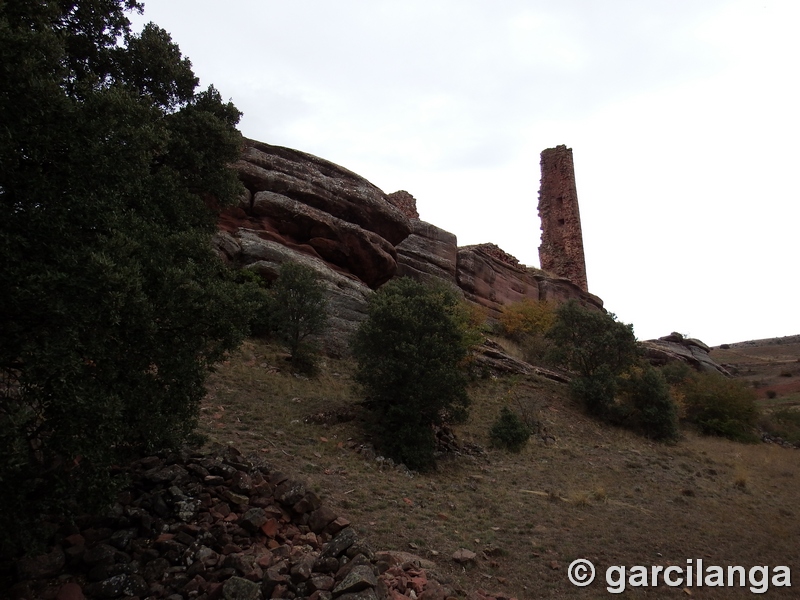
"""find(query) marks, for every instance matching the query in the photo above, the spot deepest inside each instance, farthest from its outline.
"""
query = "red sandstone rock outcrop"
(428, 254)
(298, 207)
(361, 252)
(677, 347)
(318, 208)
(561, 250)
(492, 278)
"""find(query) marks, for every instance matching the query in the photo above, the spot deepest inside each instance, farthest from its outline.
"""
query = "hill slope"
(578, 490)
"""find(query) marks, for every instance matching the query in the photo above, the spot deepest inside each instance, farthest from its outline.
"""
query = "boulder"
(428, 254)
(677, 347)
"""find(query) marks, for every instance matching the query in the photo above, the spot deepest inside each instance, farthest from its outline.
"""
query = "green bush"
(298, 309)
(783, 423)
(676, 372)
(509, 431)
(597, 347)
(410, 355)
(721, 406)
(654, 411)
(113, 305)
(256, 290)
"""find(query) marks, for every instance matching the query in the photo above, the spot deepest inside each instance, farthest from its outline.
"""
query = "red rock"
(429, 254)
(321, 518)
(70, 591)
(433, 591)
(264, 560)
(490, 280)
(270, 528)
(337, 525)
(322, 185)
(76, 539)
(462, 555)
(215, 591)
(355, 249)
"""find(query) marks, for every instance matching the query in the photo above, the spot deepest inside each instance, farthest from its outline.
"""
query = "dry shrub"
(527, 317)
(721, 406)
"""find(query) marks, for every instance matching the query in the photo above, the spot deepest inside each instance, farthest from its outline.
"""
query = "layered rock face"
(491, 278)
(676, 347)
(301, 208)
(298, 207)
(428, 254)
(320, 209)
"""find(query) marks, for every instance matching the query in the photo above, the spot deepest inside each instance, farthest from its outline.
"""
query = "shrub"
(509, 431)
(410, 351)
(472, 320)
(676, 372)
(655, 412)
(772, 394)
(597, 347)
(721, 406)
(526, 317)
(256, 290)
(783, 423)
(298, 309)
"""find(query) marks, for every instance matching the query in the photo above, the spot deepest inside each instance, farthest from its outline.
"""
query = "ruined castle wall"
(561, 250)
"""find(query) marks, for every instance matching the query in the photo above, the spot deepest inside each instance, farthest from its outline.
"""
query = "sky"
(683, 117)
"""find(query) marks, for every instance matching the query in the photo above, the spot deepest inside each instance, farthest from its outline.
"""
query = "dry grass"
(596, 492)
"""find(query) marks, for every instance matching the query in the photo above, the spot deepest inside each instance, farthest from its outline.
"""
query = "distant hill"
(771, 366)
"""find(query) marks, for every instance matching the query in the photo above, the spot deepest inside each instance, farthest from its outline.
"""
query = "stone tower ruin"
(561, 251)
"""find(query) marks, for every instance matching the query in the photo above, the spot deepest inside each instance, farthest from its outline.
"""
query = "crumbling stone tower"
(561, 252)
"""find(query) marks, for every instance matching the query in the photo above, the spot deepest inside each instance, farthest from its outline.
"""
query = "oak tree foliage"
(112, 304)
(411, 352)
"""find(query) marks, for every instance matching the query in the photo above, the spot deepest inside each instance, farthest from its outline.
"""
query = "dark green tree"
(410, 353)
(597, 347)
(112, 304)
(509, 431)
(654, 410)
(298, 310)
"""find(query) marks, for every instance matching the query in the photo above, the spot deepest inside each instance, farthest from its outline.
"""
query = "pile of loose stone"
(218, 526)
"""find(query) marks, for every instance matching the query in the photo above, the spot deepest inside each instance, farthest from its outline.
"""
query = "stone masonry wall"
(561, 250)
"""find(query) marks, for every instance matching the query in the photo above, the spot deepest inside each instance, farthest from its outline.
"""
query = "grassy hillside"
(579, 489)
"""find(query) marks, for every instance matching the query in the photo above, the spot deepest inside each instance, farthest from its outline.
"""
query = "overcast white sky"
(682, 116)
